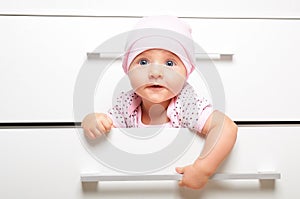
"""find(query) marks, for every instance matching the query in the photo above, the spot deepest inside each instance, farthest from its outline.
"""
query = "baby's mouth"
(155, 86)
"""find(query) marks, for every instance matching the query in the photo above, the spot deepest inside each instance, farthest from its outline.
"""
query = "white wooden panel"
(189, 8)
(261, 82)
(41, 58)
(47, 163)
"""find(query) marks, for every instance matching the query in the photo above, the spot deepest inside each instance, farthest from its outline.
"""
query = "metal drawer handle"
(95, 177)
(201, 56)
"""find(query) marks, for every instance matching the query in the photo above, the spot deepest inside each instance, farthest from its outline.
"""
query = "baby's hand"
(193, 176)
(96, 124)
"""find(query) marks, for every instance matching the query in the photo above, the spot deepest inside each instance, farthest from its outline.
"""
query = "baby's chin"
(157, 98)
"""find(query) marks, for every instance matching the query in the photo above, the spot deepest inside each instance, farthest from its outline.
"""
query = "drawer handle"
(201, 56)
(95, 177)
(214, 56)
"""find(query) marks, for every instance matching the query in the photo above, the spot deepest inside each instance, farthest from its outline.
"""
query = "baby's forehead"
(157, 51)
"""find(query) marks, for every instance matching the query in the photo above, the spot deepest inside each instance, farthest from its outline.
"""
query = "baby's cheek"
(174, 81)
(138, 77)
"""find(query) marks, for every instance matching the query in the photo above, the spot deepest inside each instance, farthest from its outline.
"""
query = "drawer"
(190, 8)
(47, 163)
(43, 57)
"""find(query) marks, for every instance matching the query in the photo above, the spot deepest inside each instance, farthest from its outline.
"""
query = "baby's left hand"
(193, 176)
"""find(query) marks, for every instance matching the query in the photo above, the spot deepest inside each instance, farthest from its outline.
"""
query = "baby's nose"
(155, 71)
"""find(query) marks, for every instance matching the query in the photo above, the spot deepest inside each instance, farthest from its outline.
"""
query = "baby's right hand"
(96, 124)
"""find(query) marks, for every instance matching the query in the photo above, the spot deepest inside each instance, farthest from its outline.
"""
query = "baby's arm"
(96, 124)
(217, 127)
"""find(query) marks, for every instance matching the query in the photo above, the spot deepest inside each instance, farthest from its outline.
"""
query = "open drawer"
(42, 58)
(48, 163)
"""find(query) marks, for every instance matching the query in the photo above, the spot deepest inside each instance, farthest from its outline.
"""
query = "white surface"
(40, 58)
(39, 61)
(261, 82)
(188, 8)
(47, 163)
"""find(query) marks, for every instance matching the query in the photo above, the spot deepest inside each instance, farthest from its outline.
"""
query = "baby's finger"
(180, 183)
(107, 125)
(96, 132)
(109, 120)
(102, 127)
(89, 134)
(180, 170)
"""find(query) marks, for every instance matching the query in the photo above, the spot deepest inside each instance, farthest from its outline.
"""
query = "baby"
(158, 60)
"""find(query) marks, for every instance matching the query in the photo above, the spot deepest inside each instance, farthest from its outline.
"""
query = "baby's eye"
(143, 62)
(170, 63)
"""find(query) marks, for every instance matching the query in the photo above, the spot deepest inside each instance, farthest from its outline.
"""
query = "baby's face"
(157, 75)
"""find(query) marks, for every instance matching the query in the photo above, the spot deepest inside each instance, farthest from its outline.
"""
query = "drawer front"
(42, 57)
(47, 163)
(190, 8)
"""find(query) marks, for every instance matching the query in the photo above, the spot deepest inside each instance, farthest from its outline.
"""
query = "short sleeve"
(194, 110)
(115, 113)
(123, 113)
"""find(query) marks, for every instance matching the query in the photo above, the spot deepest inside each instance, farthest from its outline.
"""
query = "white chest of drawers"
(44, 46)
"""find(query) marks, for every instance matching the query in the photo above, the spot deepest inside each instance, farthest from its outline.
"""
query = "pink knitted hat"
(161, 32)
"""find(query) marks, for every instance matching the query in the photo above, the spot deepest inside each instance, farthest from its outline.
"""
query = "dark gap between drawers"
(29, 125)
